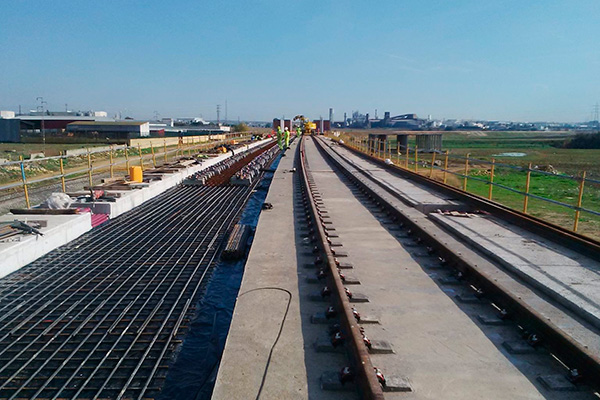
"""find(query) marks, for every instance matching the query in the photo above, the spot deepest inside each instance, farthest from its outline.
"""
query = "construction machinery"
(307, 126)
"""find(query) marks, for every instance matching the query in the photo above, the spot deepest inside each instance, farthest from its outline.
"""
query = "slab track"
(447, 347)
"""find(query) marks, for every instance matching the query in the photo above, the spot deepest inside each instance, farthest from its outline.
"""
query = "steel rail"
(367, 382)
(65, 260)
(571, 352)
(75, 318)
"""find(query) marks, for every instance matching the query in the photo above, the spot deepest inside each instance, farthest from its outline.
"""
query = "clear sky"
(502, 59)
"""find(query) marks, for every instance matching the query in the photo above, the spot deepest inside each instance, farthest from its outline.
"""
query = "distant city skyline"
(467, 59)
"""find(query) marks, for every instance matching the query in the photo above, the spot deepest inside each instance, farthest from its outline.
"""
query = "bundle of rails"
(231, 164)
(361, 372)
(251, 171)
(582, 363)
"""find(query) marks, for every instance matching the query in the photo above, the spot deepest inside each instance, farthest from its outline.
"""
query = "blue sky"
(504, 59)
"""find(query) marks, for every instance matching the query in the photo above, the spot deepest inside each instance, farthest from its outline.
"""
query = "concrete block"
(396, 383)
(338, 253)
(381, 347)
(336, 244)
(321, 318)
(350, 280)
(557, 383)
(434, 266)
(331, 381)
(467, 298)
(421, 253)
(368, 319)
(59, 230)
(345, 266)
(316, 296)
(518, 347)
(323, 345)
(359, 298)
(449, 280)
(487, 320)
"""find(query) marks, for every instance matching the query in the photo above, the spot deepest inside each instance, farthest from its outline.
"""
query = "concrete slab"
(276, 261)
(411, 193)
(570, 278)
(59, 230)
(437, 346)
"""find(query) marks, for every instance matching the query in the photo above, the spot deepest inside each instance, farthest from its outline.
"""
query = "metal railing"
(110, 161)
(410, 158)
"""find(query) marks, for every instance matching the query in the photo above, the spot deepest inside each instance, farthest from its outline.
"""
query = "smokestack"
(331, 115)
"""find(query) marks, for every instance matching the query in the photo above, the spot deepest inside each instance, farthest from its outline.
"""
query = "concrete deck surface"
(568, 277)
(275, 264)
(412, 193)
(438, 343)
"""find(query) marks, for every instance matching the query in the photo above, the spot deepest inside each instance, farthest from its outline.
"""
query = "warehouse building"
(110, 130)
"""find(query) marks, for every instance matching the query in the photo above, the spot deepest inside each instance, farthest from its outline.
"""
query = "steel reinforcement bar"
(101, 317)
(364, 373)
(473, 267)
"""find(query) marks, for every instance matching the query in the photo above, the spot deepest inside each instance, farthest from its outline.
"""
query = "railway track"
(542, 320)
(101, 317)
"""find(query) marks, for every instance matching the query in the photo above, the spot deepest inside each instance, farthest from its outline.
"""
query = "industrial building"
(113, 130)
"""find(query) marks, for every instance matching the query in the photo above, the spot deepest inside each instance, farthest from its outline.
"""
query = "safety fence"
(118, 159)
(482, 177)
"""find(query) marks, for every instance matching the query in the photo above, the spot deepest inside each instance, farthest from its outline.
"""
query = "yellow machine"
(307, 126)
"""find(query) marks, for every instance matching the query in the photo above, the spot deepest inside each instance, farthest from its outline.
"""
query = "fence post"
(165, 149)
(141, 158)
(153, 155)
(527, 182)
(407, 156)
(127, 157)
(446, 167)
(62, 175)
(89, 157)
(24, 178)
(491, 179)
(432, 163)
(466, 178)
(110, 157)
(579, 200)
(416, 159)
